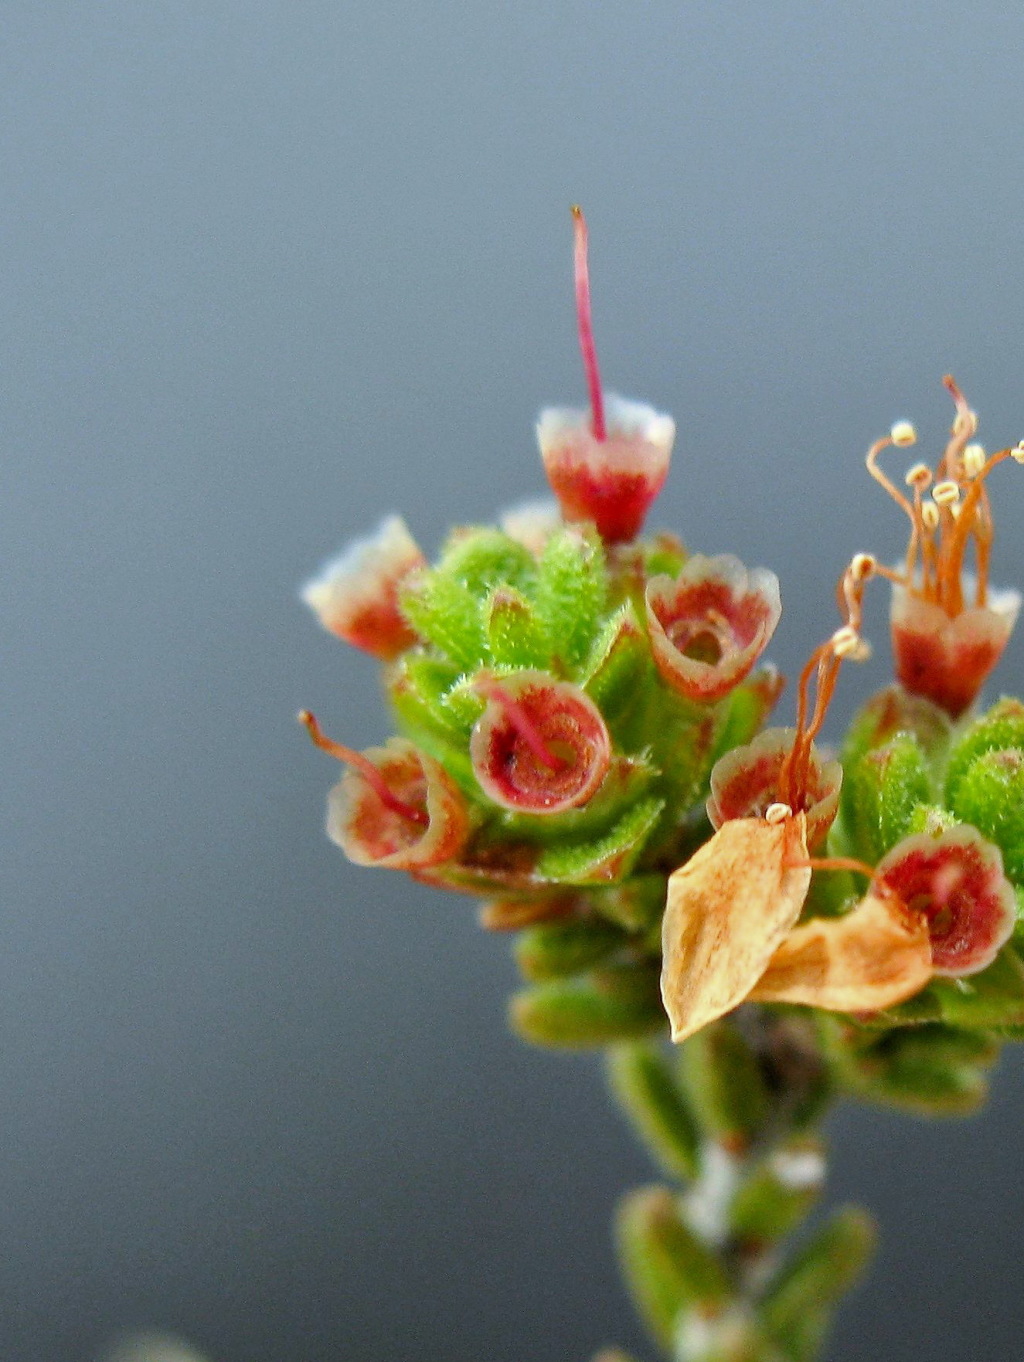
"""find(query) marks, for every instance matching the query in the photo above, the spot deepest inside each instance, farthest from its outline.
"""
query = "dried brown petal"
(873, 958)
(728, 910)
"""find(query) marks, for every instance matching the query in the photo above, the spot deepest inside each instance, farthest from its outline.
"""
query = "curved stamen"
(965, 427)
(902, 434)
(824, 665)
(585, 325)
(366, 769)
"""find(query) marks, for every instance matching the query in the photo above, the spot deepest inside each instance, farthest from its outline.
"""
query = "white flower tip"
(355, 594)
(626, 421)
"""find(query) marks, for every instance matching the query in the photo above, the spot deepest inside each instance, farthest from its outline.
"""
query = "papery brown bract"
(874, 957)
(948, 658)
(711, 623)
(745, 783)
(611, 481)
(540, 746)
(371, 833)
(728, 910)
(355, 595)
(955, 881)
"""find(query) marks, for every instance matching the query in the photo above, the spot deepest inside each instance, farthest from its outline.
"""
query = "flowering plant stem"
(733, 1120)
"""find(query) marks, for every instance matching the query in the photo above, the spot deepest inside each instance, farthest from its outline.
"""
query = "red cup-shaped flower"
(356, 594)
(611, 481)
(745, 783)
(609, 463)
(956, 881)
(540, 746)
(948, 658)
(399, 809)
(710, 625)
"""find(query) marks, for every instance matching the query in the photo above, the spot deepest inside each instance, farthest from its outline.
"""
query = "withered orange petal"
(874, 957)
(728, 909)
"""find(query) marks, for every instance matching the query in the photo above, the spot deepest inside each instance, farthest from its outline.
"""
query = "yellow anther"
(930, 516)
(974, 460)
(777, 813)
(845, 641)
(1017, 452)
(919, 476)
(946, 493)
(862, 566)
(903, 433)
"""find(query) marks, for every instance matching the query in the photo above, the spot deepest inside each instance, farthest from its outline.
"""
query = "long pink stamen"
(522, 723)
(585, 325)
(366, 769)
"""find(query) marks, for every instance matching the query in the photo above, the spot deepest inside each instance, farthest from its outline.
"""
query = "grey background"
(269, 271)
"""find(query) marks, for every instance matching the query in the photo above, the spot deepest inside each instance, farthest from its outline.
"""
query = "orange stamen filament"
(872, 465)
(585, 326)
(974, 520)
(366, 769)
(965, 427)
(838, 863)
(523, 724)
(957, 513)
(824, 665)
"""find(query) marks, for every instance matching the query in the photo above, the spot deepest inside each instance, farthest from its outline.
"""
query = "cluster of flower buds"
(583, 748)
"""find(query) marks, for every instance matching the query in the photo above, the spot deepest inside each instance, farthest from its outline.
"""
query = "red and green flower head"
(581, 743)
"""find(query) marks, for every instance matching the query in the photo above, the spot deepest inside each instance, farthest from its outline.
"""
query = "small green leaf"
(726, 1084)
(892, 711)
(881, 794)
(571, 592)
(514, 633)
(446, 614)
(744, 710)
(657, 1106)
(637, 905)
(664, 555)
(667, 1267)
(619, 668)
(990, 794)
(995, 997)
(1001, 728)
(820, 1272)
(931, 1070)
(615, 1004)
(778, 1193)
(805, 1338)
(480, 559)
(552, 950)
(416, 689)
(603, 859)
